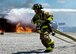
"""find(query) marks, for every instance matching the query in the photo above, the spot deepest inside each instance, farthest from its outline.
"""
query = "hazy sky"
(53, 4)
(48, 3)
(58, 3)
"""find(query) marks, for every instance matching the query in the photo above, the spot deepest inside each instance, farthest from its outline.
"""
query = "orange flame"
(1, 30)
(20, 29)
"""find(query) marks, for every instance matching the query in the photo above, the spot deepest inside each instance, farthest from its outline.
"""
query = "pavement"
(29, 43)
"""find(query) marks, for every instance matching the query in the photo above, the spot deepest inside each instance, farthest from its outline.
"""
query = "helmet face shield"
(37, 6)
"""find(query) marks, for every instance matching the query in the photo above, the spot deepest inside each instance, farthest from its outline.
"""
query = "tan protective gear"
(45, 39)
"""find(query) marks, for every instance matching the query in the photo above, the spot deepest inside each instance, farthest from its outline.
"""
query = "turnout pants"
(45, 39)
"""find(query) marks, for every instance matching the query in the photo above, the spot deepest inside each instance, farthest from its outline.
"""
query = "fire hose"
(63, 34)
(64, 40)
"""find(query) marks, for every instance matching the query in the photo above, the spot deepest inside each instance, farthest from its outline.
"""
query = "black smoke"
(6, 26)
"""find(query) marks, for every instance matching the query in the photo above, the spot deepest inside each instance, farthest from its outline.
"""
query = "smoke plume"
(23, 15)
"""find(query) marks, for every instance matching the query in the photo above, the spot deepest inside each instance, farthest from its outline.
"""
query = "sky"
(53, 4)
(69, 4)
(57, 5)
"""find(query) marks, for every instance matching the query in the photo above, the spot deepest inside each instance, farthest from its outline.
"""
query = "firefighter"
(42, 20)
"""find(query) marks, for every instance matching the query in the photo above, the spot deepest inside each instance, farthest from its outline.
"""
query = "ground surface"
(29, 43)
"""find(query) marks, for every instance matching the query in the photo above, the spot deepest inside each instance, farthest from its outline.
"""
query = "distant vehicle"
(61, 23)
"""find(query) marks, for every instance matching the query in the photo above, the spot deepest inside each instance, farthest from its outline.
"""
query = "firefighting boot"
(48, 49)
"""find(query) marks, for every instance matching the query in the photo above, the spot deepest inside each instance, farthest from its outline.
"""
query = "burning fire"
(1, 30)
(20, 29)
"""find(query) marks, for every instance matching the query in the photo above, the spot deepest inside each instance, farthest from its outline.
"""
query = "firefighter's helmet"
(37, 6)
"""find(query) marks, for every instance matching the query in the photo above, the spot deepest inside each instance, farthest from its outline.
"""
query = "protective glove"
(53, 33)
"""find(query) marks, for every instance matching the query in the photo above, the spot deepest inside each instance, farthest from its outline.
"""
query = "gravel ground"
(29, 43)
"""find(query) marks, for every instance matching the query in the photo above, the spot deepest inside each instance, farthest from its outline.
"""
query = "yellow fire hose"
(66, 35)
(64, 40)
